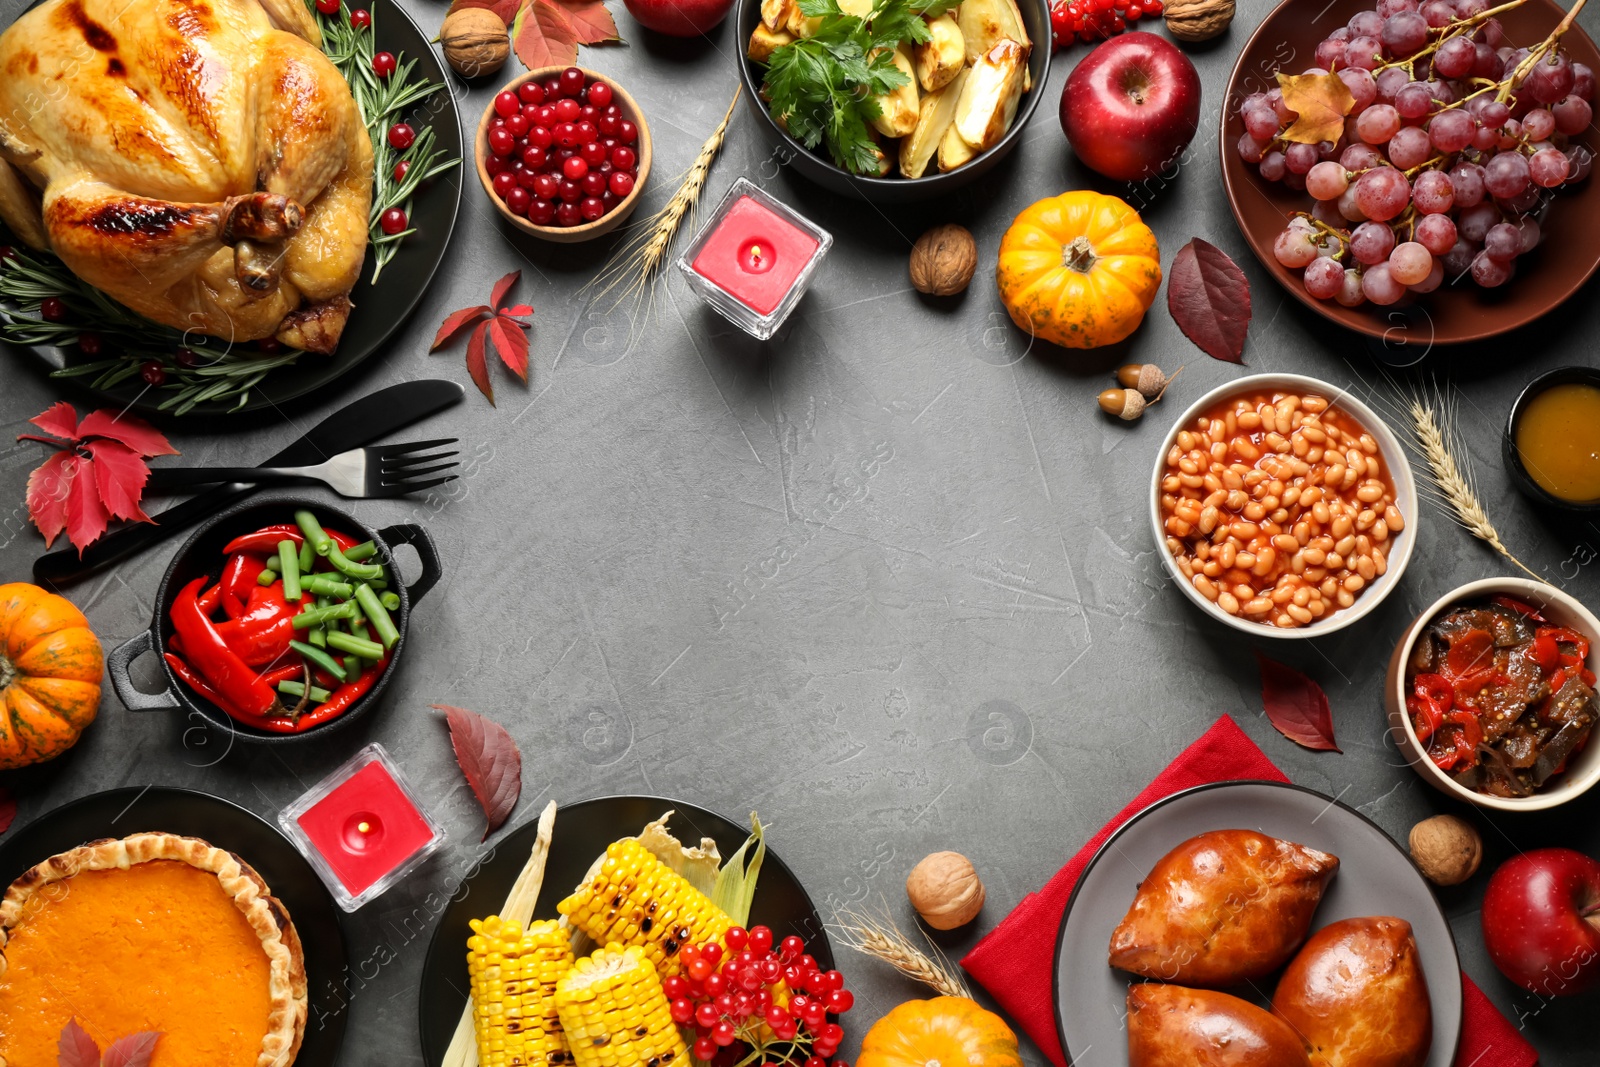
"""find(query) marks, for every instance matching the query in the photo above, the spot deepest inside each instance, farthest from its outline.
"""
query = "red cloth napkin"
(1016, 960)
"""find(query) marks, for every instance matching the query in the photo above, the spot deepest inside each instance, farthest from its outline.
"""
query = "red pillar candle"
(753, 260)
(362, 828)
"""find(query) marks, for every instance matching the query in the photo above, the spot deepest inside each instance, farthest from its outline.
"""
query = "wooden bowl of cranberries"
(563, 153)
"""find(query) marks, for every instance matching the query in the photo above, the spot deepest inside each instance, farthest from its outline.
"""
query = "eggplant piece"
(1562, 745)
(1510, 628)
(1499, 778)
(1425, 656)
(1521, 748)
(1464, 620)
(1574, 703)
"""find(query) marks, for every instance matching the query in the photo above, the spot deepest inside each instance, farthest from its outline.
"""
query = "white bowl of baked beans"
(1284, 506)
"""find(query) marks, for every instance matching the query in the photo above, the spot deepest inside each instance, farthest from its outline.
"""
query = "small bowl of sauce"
(1552, 440)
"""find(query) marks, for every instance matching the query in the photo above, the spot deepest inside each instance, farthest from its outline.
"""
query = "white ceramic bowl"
(1394, 458)
(1561, 610)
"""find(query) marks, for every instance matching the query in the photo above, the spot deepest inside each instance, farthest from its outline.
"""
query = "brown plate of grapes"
(1450, 212)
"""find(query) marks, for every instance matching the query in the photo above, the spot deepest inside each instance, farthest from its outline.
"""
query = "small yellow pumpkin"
(941, 1032)
(1079, 269)
(50, 666)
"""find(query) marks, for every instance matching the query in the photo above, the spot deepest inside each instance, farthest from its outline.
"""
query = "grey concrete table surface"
(887, 579)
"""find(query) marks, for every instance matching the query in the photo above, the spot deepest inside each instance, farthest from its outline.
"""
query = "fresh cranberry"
(541, 137)
(269, 345)
(52, 309)
(153, 373)
(627, 132)
(402, 136)
(621, 183)
(533, 157)
(594, 183)
(496, 165)
(529, 92)
(528, 178)
(608, 125)
(599, 94)
(361, 19)
(91, 344)
(188, 358)
(546, 116)
(503, 184)
(541, 212)
(571, 191)
(506, 105)
(519, 125)
(552, 88)
(518, 200)
(546, 186)
(400, 170)
(572, 81)
(567, 135)
(501, 141)
(328, 7)
(592, 208)
(392, 221)
(568, 214)
(567, 110)
(383, 64)
(593, 153)
(587, 132)
(575, 168)
(624, 158)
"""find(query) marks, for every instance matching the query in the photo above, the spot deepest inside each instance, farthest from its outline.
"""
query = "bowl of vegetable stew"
(1490, 694)
(817, 164)
(1229, 507)
(228, 591)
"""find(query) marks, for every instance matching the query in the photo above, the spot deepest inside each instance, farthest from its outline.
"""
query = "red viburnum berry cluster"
(770, 997)
(1095, 20)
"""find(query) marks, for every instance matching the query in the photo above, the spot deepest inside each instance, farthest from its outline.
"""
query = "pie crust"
(264, 913)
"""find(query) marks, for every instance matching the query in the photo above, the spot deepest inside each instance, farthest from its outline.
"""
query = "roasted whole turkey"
(201, 161)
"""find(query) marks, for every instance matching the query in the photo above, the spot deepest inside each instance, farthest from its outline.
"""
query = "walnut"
(943, 259)
(475, 41)
(1446, 848)
(944, 888)
(1198, 20)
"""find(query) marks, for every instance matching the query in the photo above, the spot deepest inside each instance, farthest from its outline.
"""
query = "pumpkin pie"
(151, 932)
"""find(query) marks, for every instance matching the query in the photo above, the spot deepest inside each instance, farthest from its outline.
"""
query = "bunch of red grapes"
(751, 991)
(1095, 20)
(560, 151)
(1447, 161)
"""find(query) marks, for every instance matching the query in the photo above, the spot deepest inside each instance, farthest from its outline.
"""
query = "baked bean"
(1258, 606)
(1345, 598)
(1367, 569)
(1245, 560)
(1193, 481)
(1353, 583)
(1335, 561)
(1204, 584)
(1225, 555)
(1185, 440)
(1299, 613)
(1208, 520)
(1266, 559)
(1393, 519)
(1228, 602)
(1380, 531)
(1314, 556)
(1369, 492)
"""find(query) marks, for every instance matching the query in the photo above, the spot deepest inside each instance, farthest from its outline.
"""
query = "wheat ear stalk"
(878, 935)
(635, 265)
(1453, 482)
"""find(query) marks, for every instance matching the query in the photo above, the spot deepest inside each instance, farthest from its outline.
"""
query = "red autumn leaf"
(86, 512)
(47, 494)
(76, 1048)
(497, 295)
(506, 9)
(455, 322)
(1297, 706)
(134, 432)
(491, 761)
(518, 311)
(120, 476)
(1209, 298)
(543, 37)
(510, 343)
(8, 809)
(60, 419)
(478, 362)
(591, 19)
(134, 1050)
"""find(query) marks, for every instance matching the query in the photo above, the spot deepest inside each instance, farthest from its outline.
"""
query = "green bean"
(353, 667)
(315, 536)
(298, 689)
(390, 601)
(320, 659)
(327, 585)
(273, 564)
(376, 614)
(356, 646)
(365, 550)
(358, 628)
(266, 577)
(291, 569)
(364, 571)
(317, 616)
(308, 556)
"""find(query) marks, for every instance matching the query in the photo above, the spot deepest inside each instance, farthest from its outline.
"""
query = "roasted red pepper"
(239, 581)
(1545, 651)
(289, 672)
(336, 705)
(262, 632)
(1517, 606)
(1435, 687)
(1469, 653)
(265, 540)
(189, 677)
(210, 600)
(1426, 716)
(219, 665)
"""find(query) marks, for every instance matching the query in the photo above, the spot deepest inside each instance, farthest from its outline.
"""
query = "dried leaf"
(76, 1048)
(1321, 101)
(477, 360)
(134, 1050)
(497, 295)
(1209, 298)
(119, 476)
(1297, 706)
(60, 419)
(455, 322)
(8, 809)
(490, 760)
(543, 36)
(591, 19)
(132, 431)
(47, 494)
(510, 344)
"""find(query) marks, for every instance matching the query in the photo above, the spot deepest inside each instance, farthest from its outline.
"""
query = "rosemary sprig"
(193, 368)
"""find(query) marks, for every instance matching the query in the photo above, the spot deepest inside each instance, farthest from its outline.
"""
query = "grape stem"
(1323, 228)
(1537, 53)
(1454, 28)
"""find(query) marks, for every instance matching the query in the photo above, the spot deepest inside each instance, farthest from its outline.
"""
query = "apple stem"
(1079, 255)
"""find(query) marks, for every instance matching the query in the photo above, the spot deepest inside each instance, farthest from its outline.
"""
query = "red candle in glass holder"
(755, 255)
(362, 828)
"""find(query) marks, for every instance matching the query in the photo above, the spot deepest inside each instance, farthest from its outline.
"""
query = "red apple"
(1541, 921)
(1131, 106)
(679, 18)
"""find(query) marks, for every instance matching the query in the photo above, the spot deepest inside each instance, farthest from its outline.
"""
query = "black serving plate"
(582, 832)
(380, 310)
(121, 812)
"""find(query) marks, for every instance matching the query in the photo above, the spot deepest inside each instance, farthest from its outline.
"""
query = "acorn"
(1145, 377)
(1126, 404)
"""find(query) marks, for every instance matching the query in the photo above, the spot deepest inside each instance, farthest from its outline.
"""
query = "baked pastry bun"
(1171, 1026)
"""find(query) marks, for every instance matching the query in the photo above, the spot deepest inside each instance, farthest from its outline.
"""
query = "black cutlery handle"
(180, 477)
(65, 566)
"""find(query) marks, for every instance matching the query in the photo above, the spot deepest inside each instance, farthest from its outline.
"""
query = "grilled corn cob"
(615, 1012)
(513, 980)
(635, 899)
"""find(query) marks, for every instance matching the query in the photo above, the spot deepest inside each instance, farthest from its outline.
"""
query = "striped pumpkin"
(50, 667)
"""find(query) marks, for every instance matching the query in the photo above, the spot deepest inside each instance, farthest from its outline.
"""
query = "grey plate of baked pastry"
(1259, 916)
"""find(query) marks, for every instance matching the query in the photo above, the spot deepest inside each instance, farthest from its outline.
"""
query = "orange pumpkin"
(50, 667)
(1079, 269)
(942, 1032)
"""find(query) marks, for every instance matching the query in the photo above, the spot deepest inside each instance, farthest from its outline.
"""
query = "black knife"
(352, 426)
